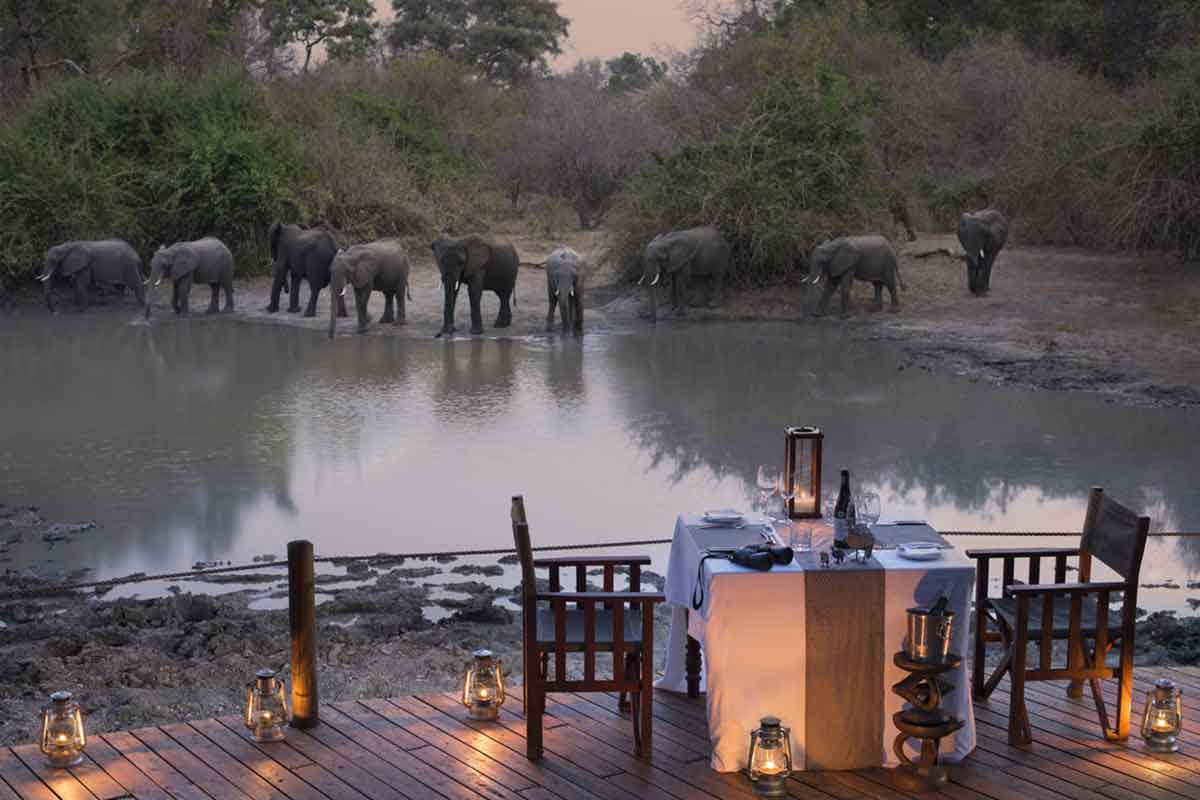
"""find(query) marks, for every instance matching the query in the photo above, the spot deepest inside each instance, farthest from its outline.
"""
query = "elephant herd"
(482, 263)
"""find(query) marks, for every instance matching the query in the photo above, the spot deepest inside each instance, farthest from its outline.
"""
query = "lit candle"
(484, 693)
(1162, 721)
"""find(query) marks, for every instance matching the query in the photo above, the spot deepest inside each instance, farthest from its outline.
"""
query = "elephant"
(684, 254)
(483, 263)
(982, 234)
(107, 261)
(205, 260)
(867, 258)
(382, 266)
(302, 254)
(564, 283)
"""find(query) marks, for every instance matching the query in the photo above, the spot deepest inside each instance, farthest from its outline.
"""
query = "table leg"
(692, 664)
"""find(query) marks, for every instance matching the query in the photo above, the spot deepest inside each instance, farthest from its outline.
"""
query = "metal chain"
(383, 558)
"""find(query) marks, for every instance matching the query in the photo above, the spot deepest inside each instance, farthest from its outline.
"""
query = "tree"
(343, 26)
(633, 72)
(40, 34)
(505, 39)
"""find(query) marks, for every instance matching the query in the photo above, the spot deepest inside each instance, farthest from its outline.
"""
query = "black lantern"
(802, 472)
(769, 761)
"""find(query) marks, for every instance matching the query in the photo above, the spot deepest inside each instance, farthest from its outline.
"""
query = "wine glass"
(767, 481)
(866, 508)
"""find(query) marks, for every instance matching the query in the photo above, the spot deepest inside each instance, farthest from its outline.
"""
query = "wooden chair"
(621, 623)
(1076, 612)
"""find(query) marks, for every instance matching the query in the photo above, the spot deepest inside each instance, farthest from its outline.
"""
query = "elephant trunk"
(566, 301)
(449, 299)
(47, 279)
(152, 282)
(337, 290)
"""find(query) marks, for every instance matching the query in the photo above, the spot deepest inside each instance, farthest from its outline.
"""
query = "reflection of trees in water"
(719, 397)
(156, 430)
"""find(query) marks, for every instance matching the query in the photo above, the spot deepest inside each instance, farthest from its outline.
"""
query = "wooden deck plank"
(436, 770)
(123, 771)
(425, 746)
(254, 759)
(60, 781)
(19, 777)
(509, 753)
(396, 718)
(152, 766)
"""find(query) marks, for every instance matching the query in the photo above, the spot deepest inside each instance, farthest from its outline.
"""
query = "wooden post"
(302, 619)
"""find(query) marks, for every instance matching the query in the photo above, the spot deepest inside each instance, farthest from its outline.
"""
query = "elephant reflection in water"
(477, 379)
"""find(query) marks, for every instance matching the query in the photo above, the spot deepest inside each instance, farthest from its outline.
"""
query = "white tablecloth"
(753, 642)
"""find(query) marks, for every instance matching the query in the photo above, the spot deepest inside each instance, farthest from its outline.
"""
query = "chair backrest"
(1115, 535)
(520, 526)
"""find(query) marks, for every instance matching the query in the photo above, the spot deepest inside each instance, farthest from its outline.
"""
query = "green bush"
(794, 169)
(149, 160)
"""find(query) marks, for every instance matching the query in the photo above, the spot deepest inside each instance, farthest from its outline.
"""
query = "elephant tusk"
(342, 293)
(558, 292)
(641, 279)
(44, 278)
(655, 281)
(158, 282)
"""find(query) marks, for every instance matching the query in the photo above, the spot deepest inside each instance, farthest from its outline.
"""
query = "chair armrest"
(591, 561)
(1023, 552)
(1066, 588)
(578, 597)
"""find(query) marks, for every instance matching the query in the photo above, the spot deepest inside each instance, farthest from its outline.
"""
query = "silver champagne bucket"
(929, 635)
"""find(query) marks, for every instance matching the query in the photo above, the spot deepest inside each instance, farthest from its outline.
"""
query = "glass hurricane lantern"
(63, 737)
(769, 762)
(267, 714)
(1162, 720)
(483, 686)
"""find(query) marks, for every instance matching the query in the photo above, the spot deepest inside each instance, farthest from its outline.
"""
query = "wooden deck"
(423, 747)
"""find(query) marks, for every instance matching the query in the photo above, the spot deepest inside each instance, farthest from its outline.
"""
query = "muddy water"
(213, 439)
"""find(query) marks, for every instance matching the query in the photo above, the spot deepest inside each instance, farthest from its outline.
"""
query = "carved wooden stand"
(923, 688)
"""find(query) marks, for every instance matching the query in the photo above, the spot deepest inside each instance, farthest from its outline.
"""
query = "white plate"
(919, 552)
(723, 515)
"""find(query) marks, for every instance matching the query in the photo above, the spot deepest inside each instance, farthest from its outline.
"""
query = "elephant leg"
(81, 289)
(278, 276)
(213, 306)
(175, 297)
(361, 296)
(475, 295)
(228, 287)
(185, 291)
(845, 284)
(717, 294)
(681, 295)
(135, 281)
(389, 315)
(450, 299)
(504, 318)
(891, 287)
(294, 295)
(989, 260)
(553, 303)
(877, 303)
(401, 310)
(314, 291)
(577, 299)
(826, 295)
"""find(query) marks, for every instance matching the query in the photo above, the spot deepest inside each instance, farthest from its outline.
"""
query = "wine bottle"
(841, 511)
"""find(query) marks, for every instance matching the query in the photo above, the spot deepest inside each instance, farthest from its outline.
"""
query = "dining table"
(809, 643)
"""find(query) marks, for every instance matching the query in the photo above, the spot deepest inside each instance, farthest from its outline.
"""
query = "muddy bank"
(134, 662)
(1060, 319)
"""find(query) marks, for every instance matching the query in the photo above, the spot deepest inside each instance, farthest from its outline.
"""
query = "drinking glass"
(866, 507)
(767, 481)
(800, 539)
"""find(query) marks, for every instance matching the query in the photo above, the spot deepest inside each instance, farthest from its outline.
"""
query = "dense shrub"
(147, 160)
(793, 167)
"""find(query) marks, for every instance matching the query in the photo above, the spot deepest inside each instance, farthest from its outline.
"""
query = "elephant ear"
(681, 253)
(478, 254)
(76, 259)
(183, 263)
(843, 261)
(360, 273)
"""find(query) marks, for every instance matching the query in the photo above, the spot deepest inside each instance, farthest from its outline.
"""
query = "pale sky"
(606, 28)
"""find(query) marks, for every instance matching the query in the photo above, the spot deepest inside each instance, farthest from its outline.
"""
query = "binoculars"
(756, 556)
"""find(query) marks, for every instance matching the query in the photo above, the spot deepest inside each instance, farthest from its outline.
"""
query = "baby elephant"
(564, 284)
(867, 258)
(380, 266)
(183, 263)
(981, 234)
